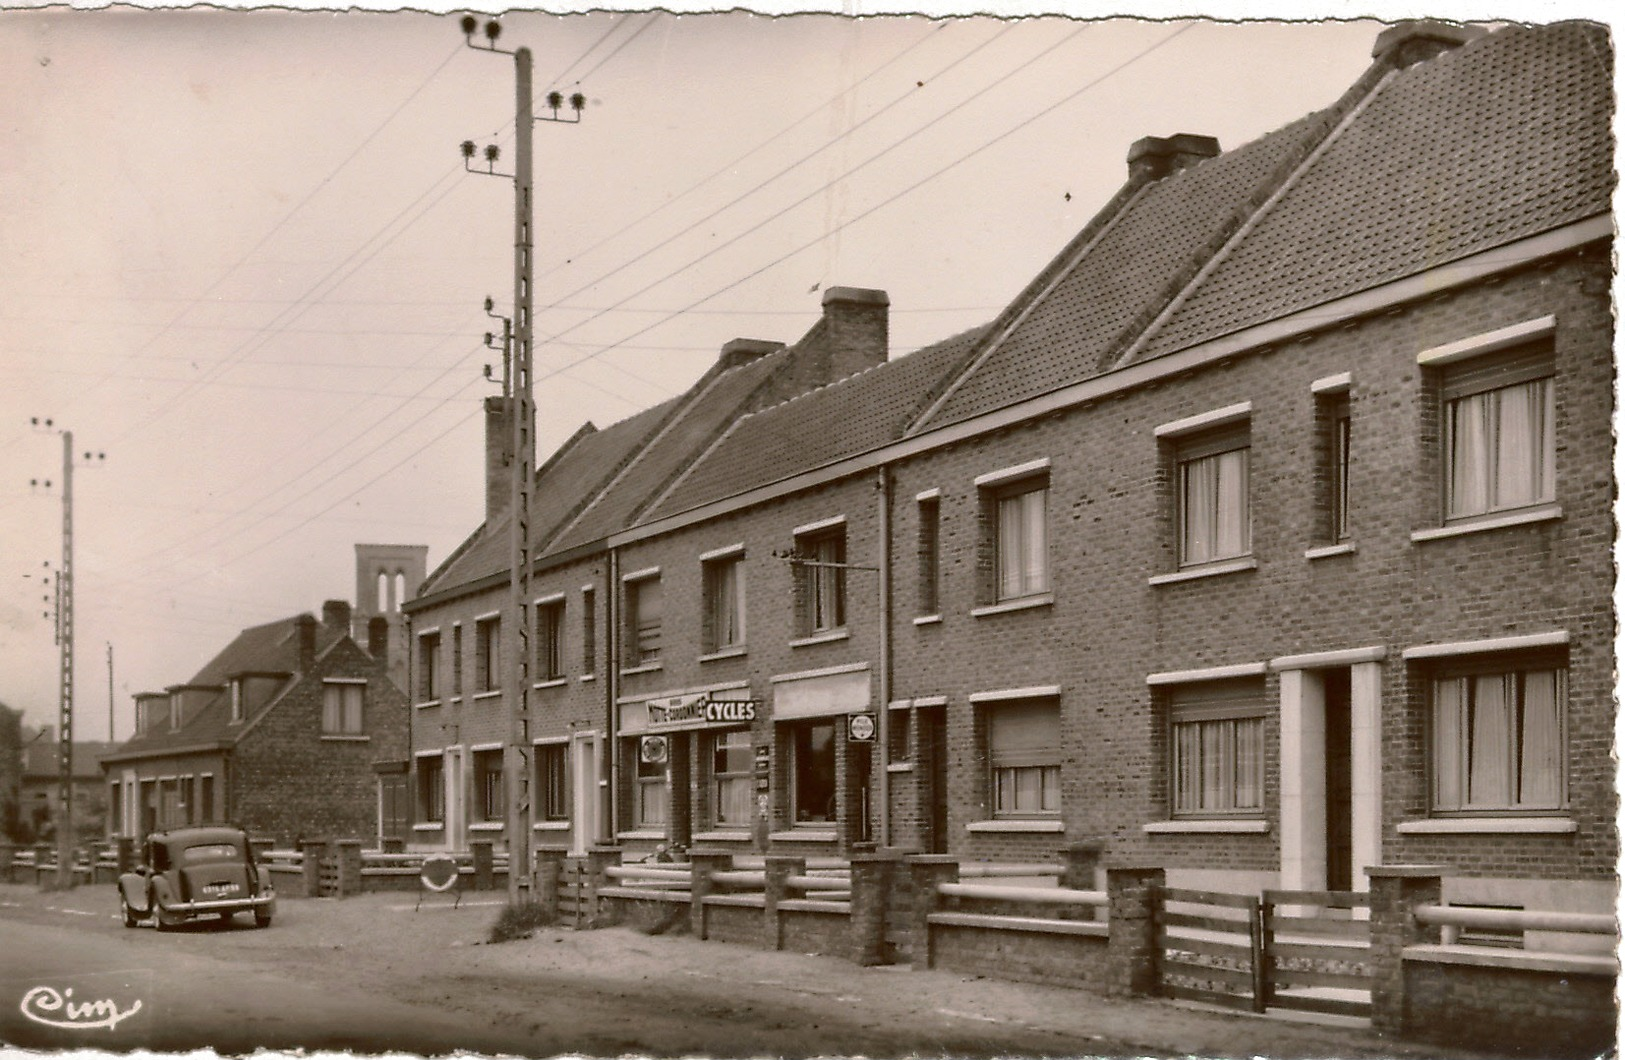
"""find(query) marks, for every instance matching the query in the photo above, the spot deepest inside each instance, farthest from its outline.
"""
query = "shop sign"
(652, 750)
(698, 710)
(860, 728)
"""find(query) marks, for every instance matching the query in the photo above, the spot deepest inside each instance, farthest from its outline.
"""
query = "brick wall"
(1027, 956)
(1510, 1011)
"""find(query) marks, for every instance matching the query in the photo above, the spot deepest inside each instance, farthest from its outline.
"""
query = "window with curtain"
(342, 708)
(1214, 516)
(1216, 748)
(930, 512)
(428, 667)
(488, 655)
(812, 771)
(589, 631)
(821, 580)
(643, 619)
(651, 796)
(1024, 757)
(724, 589)
(552, 787)
(731, 772)
(1021, 541)
(489, 794)
(1500, 448)
(1332, 416)
(431, 789)
(1498, 740)
(550, 640)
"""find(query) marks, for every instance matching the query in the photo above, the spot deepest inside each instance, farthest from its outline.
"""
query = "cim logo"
(57, 1008)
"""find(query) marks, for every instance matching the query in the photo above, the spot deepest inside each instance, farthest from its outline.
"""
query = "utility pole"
(517, 387)
(109, 691)
(64, 623)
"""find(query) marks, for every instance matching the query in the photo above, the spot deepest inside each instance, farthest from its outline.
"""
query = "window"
(897, 745)
(731, 765)
(1024, 757)
(188, 800)
(342, 703)
(650, 797)
(1216, 741)
(552, 783)
(1498, 738)
(1214, 516)
(457, 660)
(428, 667)
(1334, 424)
(236, 699)
(589, 631)
(821, 580)
(550, 640)
(812, 773)
(487, 655)
(643, 604)
(1020, 541)
(431, 789)
(1500, 447)
(206, 799)
(724, 619)
(929, 559)
(490, 797)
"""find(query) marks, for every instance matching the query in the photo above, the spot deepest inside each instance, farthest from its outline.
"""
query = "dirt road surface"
(368, 974)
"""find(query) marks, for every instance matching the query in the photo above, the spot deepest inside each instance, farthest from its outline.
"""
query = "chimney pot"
(736, 352)
(336, 615)
(1155, 157)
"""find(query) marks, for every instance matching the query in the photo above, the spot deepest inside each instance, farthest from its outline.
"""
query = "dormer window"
(236, 700)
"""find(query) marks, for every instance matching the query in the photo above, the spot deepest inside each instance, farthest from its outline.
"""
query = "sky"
(244, 260)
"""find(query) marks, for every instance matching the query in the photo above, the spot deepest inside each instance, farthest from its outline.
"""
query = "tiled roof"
(714, 407)
(850, 416)
(1504, 138)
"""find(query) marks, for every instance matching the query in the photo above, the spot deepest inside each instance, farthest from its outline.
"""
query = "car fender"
(163, 893)
(133, 887)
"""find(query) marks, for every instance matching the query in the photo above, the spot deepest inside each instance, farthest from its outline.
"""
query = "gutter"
(883, 492)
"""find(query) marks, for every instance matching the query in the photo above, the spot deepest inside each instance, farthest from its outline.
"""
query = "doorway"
(1339, 792)
(584, 799)
(933, 744)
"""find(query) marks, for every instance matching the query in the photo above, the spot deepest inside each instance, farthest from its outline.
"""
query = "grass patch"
(659, 918)
(517, 920)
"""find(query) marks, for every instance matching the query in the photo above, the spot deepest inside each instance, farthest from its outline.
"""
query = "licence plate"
(216, 890)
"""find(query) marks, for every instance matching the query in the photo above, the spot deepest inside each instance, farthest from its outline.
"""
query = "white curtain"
(1447, 742)
(1524, 457)
(1216, 517)
(1488, 782)
(1539, 766)
(1023, 545)
(1469, 464)
(1249, 790)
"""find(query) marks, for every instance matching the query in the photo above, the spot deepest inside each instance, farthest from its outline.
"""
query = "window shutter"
(1024, 733)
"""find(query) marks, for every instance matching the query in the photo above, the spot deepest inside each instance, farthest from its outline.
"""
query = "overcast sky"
(242, 258)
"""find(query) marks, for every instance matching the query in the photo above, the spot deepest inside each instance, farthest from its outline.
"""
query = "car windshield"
(211, 852)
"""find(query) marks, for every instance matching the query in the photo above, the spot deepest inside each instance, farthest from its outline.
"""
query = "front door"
(584, 801)
(1339, 793)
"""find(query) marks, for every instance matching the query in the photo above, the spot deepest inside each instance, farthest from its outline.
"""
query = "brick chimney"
(1155, 157)
(307, 643)
(378, 638)
(498, 456)
(1408, 43)
(736, 352)
(336, 615)
(857, 329)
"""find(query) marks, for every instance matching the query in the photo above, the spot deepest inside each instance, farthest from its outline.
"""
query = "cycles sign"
(699, 710)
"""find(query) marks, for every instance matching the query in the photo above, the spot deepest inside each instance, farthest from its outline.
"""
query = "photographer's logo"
(57, 1008)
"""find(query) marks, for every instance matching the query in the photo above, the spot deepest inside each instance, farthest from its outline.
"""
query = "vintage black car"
(193, 872)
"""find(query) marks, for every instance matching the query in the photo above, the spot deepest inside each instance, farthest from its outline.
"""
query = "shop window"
(488, 654)
(1214, 516)
(1500, 448)
(723, 623)
(643, 621)
(428, 667)
(650, 798)
(1017, 524)
(552, 783)
(343, 708)
(821, 581)
(1024, 757)
(550, 640)
(431, 789)
(731, 765)
(1498, 738)
(927, 550)
(1216, 744)
(812, 773)
(490, 797)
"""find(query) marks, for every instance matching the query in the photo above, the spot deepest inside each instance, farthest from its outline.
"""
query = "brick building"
(295, 729)
(1266, 534)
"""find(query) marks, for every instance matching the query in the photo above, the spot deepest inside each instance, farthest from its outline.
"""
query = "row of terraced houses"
(1266, 534)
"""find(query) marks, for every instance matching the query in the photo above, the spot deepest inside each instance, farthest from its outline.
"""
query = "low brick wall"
(734, 923)
(1029, 956)
(1510, 1011)
(806, 931)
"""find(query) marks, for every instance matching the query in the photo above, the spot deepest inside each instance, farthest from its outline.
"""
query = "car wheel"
(130, 919)
(262, 918)
(166, 922)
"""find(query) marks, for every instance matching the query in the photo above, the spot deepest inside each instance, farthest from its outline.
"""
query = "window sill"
(552, 682)
(732, 652)
(803, 835)
(820, 638)
(551, 826)
(928, 620)
(1021, 604)
(587, 677)
(641, 833)
(429, 826)
(427, 703)
(1012, 824)
(488, 694)
(900, 767)
(645, 668)
(1215, 827)
(730, 835)
(1344, 548)
(486, 826)
(335, 737)
(1488, 826)
(1542, 514)
(1212, 570)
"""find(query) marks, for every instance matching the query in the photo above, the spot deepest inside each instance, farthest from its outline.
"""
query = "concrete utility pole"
(517, 754)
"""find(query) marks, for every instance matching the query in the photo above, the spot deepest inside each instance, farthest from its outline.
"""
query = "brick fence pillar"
(780, 867)
(484, 860)
(926, 871)
(126, 854)
(312, 851)
(1080, 869)
(1131, 930)
(349, 865)
(549, 875)
(1396, 891)
(599, 858)
(704, 863)
(871, 894)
